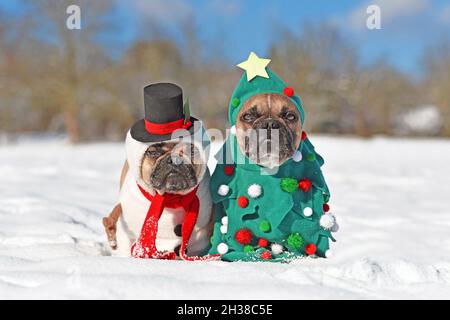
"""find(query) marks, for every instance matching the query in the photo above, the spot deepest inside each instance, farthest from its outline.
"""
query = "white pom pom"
(225, 220)
(223, 190)
(224, 229)
(307, 212)
(222, 248)
(335, 228)
(254, 190)
(297, 157)
(328, 253)
(233, 130)
(327, 221)
(276, 248)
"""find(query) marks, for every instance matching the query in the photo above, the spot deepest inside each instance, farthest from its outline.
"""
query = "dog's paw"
(113, 244)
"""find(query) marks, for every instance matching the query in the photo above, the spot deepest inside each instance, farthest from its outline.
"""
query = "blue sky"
(408, 26)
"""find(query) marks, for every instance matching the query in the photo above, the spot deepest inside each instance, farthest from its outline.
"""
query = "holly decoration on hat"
(270, 217)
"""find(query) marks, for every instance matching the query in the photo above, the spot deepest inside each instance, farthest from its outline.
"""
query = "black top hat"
(164, 114)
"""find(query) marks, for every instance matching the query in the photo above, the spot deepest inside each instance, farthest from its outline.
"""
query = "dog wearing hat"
(270, 196)
(164, 209)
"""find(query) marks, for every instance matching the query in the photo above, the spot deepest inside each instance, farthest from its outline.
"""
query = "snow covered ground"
(391, 197)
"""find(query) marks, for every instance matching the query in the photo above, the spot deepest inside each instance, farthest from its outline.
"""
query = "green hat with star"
(256, 79)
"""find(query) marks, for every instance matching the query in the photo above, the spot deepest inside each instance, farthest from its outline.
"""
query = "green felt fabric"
(276, 215)
(245, 89)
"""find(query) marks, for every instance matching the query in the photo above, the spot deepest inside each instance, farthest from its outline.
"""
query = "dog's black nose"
(270, 124)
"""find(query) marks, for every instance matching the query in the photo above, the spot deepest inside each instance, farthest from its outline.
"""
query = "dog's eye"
(248, 117)
(154, 153)
(290, 116)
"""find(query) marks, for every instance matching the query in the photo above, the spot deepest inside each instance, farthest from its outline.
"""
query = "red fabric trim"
(145, 245)
(166, 128)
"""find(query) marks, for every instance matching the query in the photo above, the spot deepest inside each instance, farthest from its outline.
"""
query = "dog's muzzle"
(172, 173)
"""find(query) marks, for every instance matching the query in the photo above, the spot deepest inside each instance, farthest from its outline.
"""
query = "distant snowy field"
(391, 197)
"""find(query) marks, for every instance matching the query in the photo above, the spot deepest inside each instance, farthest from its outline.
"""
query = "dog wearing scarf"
(270, 197)
(165, 209)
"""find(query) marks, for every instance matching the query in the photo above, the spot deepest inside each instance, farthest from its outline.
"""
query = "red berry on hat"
(326, 207)
(187, 124)
(303, 135)
(243, 236)
(263, 243)
(288, 91)
(304, 184)
(311, 248)
(243, 201)
(229, 170)
(266, 255)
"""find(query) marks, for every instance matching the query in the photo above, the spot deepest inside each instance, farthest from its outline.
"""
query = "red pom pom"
(243, 236)
(266, 255)
(263, 243)
(311, 248)
(243, 201)
(229, 170)
(304, 135)
(304, 184)
(187, 124)
(288, 91)
(326, 207)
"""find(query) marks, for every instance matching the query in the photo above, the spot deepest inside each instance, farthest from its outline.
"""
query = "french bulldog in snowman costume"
(164, 209)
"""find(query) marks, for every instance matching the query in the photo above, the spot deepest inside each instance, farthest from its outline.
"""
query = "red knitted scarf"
(145, 245)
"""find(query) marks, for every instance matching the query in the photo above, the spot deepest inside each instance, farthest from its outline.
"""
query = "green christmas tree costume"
(265, 216)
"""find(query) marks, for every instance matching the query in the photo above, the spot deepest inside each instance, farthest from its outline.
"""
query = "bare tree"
(436, 62)
(76, 57)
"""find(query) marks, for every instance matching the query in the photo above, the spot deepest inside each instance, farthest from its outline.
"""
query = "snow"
(390, 197)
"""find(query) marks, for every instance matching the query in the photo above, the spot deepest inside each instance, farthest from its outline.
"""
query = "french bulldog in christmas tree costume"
(164, 208)
(270, 205)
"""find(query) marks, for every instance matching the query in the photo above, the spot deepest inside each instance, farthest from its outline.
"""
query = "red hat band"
(166, 128)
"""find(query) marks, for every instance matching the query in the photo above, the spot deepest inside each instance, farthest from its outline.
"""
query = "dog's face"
(268, 129)
(172, 167)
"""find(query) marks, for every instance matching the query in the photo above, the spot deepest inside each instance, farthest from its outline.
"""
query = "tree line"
(82, 84)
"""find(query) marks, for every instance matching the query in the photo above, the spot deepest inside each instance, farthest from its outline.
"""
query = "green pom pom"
(295, 241)
(311, 157)
(264, 226)
(289, 185)
(248, 248)
(235, 102)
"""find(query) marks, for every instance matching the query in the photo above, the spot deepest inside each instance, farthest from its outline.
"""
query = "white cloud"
(390, 11)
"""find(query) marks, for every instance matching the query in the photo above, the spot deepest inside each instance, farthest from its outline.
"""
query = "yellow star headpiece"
(255, 66)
